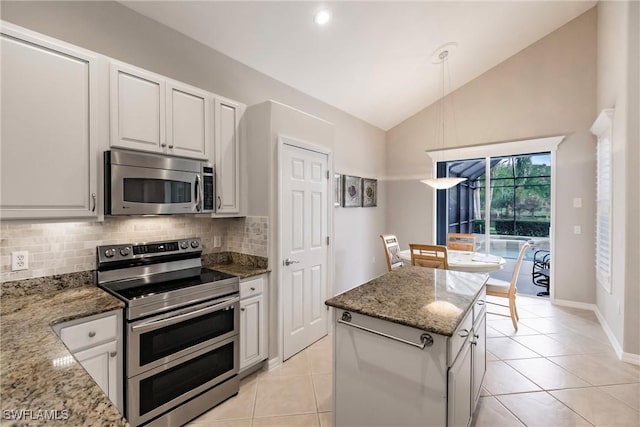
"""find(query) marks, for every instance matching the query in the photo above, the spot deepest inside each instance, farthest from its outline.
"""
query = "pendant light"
(443, 183)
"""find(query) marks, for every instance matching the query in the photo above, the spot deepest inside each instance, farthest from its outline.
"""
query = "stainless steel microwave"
(152, 184)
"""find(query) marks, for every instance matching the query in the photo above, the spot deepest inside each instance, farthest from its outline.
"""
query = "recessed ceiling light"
(322, 17)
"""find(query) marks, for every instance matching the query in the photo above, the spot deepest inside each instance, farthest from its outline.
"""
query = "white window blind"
(602, 129)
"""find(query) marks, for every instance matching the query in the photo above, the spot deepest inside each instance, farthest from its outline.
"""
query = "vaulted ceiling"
(373, 59)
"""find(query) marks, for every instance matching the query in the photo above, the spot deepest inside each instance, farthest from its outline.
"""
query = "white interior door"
(304, 243)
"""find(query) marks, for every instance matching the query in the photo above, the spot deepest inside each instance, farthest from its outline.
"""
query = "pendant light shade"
(440, 57)
(443, 183)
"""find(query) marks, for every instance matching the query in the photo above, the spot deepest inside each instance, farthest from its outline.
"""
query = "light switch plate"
(577, 229)
(577, 202)
(217, 241)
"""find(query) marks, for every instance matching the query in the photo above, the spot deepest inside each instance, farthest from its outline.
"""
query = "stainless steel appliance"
(151, 184)
(181, 330)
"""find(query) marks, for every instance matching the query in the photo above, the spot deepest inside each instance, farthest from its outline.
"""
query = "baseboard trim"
(631, 358)
(274, 363)
(574, 304)
(607, 330)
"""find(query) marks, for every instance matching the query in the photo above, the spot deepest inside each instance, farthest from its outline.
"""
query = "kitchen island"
(409, 349)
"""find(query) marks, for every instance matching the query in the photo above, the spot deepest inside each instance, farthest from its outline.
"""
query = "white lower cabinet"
(96, 343)
(459, 389)
(253, 318)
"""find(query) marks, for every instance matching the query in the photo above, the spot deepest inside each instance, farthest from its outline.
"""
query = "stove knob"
(109, 253)
(125, 251)
(195, 244)
(184, 245)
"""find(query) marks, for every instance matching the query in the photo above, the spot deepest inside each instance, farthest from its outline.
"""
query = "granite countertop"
(240, 265)
(38, 372)
(428, 299)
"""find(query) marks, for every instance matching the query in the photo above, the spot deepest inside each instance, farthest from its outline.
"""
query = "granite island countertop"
(38, 373)
(428, 299)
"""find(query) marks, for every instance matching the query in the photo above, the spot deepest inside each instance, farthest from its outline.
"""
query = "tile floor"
(557, 370)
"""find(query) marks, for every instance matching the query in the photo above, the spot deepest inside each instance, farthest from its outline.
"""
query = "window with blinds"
(602, 129)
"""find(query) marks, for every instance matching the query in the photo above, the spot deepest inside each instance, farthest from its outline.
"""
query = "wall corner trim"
(603, 122)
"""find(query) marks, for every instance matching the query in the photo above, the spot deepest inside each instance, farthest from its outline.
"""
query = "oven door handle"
(155, 324)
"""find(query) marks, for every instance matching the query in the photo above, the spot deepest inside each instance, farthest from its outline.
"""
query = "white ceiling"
(373, 60)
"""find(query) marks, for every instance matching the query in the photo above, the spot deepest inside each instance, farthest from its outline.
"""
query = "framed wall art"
(352, 191)
(337, 189)
(369, 193)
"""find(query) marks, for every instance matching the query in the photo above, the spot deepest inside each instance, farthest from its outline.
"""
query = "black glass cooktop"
(166, 282)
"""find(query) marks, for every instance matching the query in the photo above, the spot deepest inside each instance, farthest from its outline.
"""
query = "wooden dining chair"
(501, 288)
(461, 242)
(391, 251)
(433, 256)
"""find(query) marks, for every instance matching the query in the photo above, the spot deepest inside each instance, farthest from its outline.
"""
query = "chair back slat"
(461, 242)
(433, 256)
(391, 251)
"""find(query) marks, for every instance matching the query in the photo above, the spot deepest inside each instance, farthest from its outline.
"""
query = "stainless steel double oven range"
(181, 329)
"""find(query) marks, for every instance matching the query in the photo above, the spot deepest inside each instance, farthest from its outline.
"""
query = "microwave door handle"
(155, 324)
(197, 193)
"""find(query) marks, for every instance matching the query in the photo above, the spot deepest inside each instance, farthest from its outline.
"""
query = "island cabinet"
(409, 349)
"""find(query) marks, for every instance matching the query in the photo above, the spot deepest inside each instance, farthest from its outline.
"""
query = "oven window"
(147, 190)
(163, 342)
(159, 389)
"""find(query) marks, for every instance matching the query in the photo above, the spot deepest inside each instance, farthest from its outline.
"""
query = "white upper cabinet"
(227, 155)
(188, 120)
(152, 113)
(51, 107)
(137, 109)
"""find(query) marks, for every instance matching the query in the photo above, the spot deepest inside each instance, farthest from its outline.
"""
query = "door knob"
(289, 261)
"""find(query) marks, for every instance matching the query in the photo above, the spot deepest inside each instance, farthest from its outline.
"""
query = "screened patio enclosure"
(518, 201)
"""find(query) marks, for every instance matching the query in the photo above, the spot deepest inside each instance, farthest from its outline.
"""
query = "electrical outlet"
(577, 202)
(577, 229)
(19, 260)
(217, 241)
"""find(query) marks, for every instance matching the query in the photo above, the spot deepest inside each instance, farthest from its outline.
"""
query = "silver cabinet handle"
(92, 334)
(253, 289)
(163, 144)
(426, 339)
(463, 333)
(113, 354)
(219, 202)
(242, 309)
(197, 193)
(93, 200)
(290, 261)
(480, 302)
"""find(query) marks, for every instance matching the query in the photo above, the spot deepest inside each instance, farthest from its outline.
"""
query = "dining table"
(471, 262)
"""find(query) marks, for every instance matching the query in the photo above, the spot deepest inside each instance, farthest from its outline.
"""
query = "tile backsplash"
(58, 248)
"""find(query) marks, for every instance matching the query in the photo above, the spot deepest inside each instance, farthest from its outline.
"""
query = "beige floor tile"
(545, 325)
(505, 327)
(491, 333)
(547, 374)
(491, 357)
(506, 348)
(323, 388)
(540, 409)
(598, 369)
(236, 408)
(502, 379)
(320, 361)
(285, 395)
(531, 300)
(598, 407)
(221, 423)
(484, 392)
(546, 346)
(628, 393)
(326, 419)
(323, 344)
(491, 413)
(581, 343)
(309, 420)
(297, 365)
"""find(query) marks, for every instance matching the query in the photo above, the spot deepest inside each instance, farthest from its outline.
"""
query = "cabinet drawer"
(459, 337)
(251, 287)
(480, 304)
(89, 333)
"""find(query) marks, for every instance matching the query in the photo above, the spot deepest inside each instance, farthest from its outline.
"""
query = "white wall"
(546, 89)
(114, 30)
(618, 79)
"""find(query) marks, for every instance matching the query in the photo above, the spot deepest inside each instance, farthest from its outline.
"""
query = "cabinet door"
(188, 121)
(252, 348)
(137, 109)
(49, 151)
(459, 389)
(101, 363)
(227, 153)
(479, 356)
